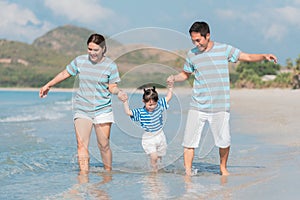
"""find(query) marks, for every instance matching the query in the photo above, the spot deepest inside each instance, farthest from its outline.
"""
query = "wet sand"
(264, 159)
(271, 116)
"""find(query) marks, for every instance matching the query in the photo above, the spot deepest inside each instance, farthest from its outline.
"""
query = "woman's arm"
(113, 88)
(63, 75)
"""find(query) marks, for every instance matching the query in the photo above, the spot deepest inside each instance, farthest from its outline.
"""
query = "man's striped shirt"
(211, 88)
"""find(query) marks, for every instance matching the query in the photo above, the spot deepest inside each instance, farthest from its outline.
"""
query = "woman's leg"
(103, 134)
(83, 128)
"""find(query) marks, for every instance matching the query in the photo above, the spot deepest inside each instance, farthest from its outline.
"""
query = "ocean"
(38, 155)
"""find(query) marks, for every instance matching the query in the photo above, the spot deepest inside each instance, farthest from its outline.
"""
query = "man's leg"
(219, 124)
(188, 156)
(224, 153)
(103, 134)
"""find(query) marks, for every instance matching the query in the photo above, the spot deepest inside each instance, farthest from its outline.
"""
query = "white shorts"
(99, 119)
(154, 142)
(218, 124)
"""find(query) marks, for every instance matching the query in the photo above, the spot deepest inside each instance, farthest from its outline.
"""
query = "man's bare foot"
(224, 171)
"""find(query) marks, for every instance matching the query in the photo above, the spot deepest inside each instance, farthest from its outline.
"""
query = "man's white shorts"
(99, 119)
(218, 124)
(154, 142)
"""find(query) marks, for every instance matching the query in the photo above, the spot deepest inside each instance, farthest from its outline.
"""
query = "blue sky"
(257, 26)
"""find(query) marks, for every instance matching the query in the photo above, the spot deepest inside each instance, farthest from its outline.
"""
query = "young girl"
(150, 118)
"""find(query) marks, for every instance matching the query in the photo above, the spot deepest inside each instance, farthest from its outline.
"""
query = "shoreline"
(179, 90)
(269, 114)
(35, 89)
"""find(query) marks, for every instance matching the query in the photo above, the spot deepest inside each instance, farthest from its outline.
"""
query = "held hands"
(170, 84)
(122, 96)
(170, 81)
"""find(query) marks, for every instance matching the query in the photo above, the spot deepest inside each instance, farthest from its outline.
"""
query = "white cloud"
(289, 14)
(228, 14)
(273, 23)
(275, 31)
(84, 11)
(296, 2)
(18, 23)
(12, 13)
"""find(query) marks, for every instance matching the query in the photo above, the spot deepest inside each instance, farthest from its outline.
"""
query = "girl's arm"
(170, 91)
(63, 75)
(182, 76)
(126, 108)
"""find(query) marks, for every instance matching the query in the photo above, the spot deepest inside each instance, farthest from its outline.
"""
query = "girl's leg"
(103, 134)
(153, 161)
(83, 128)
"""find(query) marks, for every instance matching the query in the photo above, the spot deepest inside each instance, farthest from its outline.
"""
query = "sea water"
(38, 155)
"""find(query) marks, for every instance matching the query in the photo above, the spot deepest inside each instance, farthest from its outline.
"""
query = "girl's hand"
(170, 81)
(122, 96)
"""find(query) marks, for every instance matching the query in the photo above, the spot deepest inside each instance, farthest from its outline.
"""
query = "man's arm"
(182, 76)
(257, 57)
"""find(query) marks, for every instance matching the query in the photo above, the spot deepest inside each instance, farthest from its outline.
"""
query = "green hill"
(31, 65)
(67, 39)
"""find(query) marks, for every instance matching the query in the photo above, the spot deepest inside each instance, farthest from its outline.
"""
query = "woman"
(98, 78)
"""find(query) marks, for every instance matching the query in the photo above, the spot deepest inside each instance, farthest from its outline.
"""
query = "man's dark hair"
(200, 27)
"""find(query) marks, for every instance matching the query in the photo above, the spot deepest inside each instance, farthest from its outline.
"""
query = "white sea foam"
(28, 118)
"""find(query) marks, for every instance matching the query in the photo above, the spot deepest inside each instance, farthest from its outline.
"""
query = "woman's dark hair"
(150, 94)
(97, 39)
(200, 27)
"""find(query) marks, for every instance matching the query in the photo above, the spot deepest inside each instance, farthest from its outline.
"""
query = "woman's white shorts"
(99, 119)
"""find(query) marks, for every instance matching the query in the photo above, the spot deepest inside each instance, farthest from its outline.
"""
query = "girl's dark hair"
(150, 94)
(97, 39)
(200, 27)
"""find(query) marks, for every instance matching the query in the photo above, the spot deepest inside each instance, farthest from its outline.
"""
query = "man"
(210, 97)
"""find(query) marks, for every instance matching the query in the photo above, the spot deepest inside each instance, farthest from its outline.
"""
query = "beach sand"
(272, 117)
(271, 114)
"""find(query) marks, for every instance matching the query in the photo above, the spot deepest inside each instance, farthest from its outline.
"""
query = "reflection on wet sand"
(195, 190)
(154, 187)
(86, 190)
